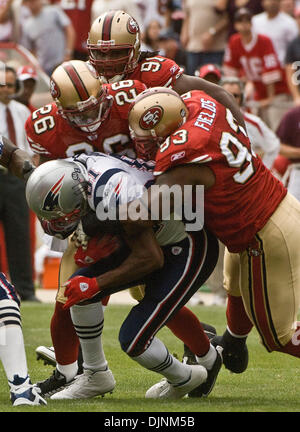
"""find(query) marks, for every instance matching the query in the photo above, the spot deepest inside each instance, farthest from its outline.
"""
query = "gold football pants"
(267, 275)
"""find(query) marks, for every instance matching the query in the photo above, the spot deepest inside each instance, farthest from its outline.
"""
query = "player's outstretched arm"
(152, 202)
(188, 83)
(16, 160)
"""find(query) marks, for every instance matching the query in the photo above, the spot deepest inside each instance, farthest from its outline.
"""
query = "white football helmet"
(57, 190)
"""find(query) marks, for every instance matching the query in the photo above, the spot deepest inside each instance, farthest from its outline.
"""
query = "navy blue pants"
(7, 290)
(187, 265)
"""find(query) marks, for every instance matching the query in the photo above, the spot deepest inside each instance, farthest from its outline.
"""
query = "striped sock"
(158, 359)
(12, 349)
(88, 321)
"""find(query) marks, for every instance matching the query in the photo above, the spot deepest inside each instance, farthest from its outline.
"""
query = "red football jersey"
(156, 71)
(245, 192)
(52, 136)
(258, 61)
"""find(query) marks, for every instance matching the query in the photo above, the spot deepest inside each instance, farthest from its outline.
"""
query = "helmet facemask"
(88, 115)
(146, 146)
(114, 45)
(112, 62)
(155, 114)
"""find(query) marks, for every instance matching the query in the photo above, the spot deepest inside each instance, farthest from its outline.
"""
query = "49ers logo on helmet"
(132, 26)
(151, 117)
(54, 90)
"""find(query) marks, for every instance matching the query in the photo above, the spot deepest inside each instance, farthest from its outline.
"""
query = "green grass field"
(270, 384)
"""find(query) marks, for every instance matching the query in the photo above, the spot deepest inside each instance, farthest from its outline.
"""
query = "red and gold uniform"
(245, 193)
(250, 211)
(52, 136)
(156, 71)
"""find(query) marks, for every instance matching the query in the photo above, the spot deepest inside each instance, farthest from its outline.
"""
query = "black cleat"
(55, 383)
(205, 388)
(188, 356)
(209, 330)
(235, 352)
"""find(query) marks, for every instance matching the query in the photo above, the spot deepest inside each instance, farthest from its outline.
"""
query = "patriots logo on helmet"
(54, 90)
(51, 200)
(151, 117)
(132, 26)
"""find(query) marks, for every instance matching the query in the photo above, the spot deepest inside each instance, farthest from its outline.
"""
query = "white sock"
(236, 335)
(209, 358)
(88, 322)
(158, 359)
(12, 349)
(69, 370)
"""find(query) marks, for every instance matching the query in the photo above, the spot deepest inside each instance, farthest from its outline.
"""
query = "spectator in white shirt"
(14, 212)
(279, 26)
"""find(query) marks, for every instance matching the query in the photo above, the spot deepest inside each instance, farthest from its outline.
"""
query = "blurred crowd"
(251, 47)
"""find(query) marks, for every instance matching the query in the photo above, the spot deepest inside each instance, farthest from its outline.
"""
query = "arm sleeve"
(159, 71)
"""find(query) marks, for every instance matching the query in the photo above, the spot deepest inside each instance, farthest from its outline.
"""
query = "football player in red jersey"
(84, 117)
(71, 124)
(114, 51)
(246, 207)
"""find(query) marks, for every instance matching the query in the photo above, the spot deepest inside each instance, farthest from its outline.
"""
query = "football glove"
(80, 288)
(96, 249)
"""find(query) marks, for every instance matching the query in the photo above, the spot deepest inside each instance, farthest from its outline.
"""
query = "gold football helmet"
(80, 96)
(156, 113)
(114, 45)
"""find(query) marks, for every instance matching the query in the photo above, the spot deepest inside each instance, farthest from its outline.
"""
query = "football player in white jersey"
(12, 349)
(171, 262)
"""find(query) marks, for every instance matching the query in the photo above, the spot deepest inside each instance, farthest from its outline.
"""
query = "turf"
(270, 384)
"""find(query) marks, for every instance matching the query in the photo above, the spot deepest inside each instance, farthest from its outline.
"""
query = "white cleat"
(22, 392)
(164, 389)
(88, 385)
(46, 354)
